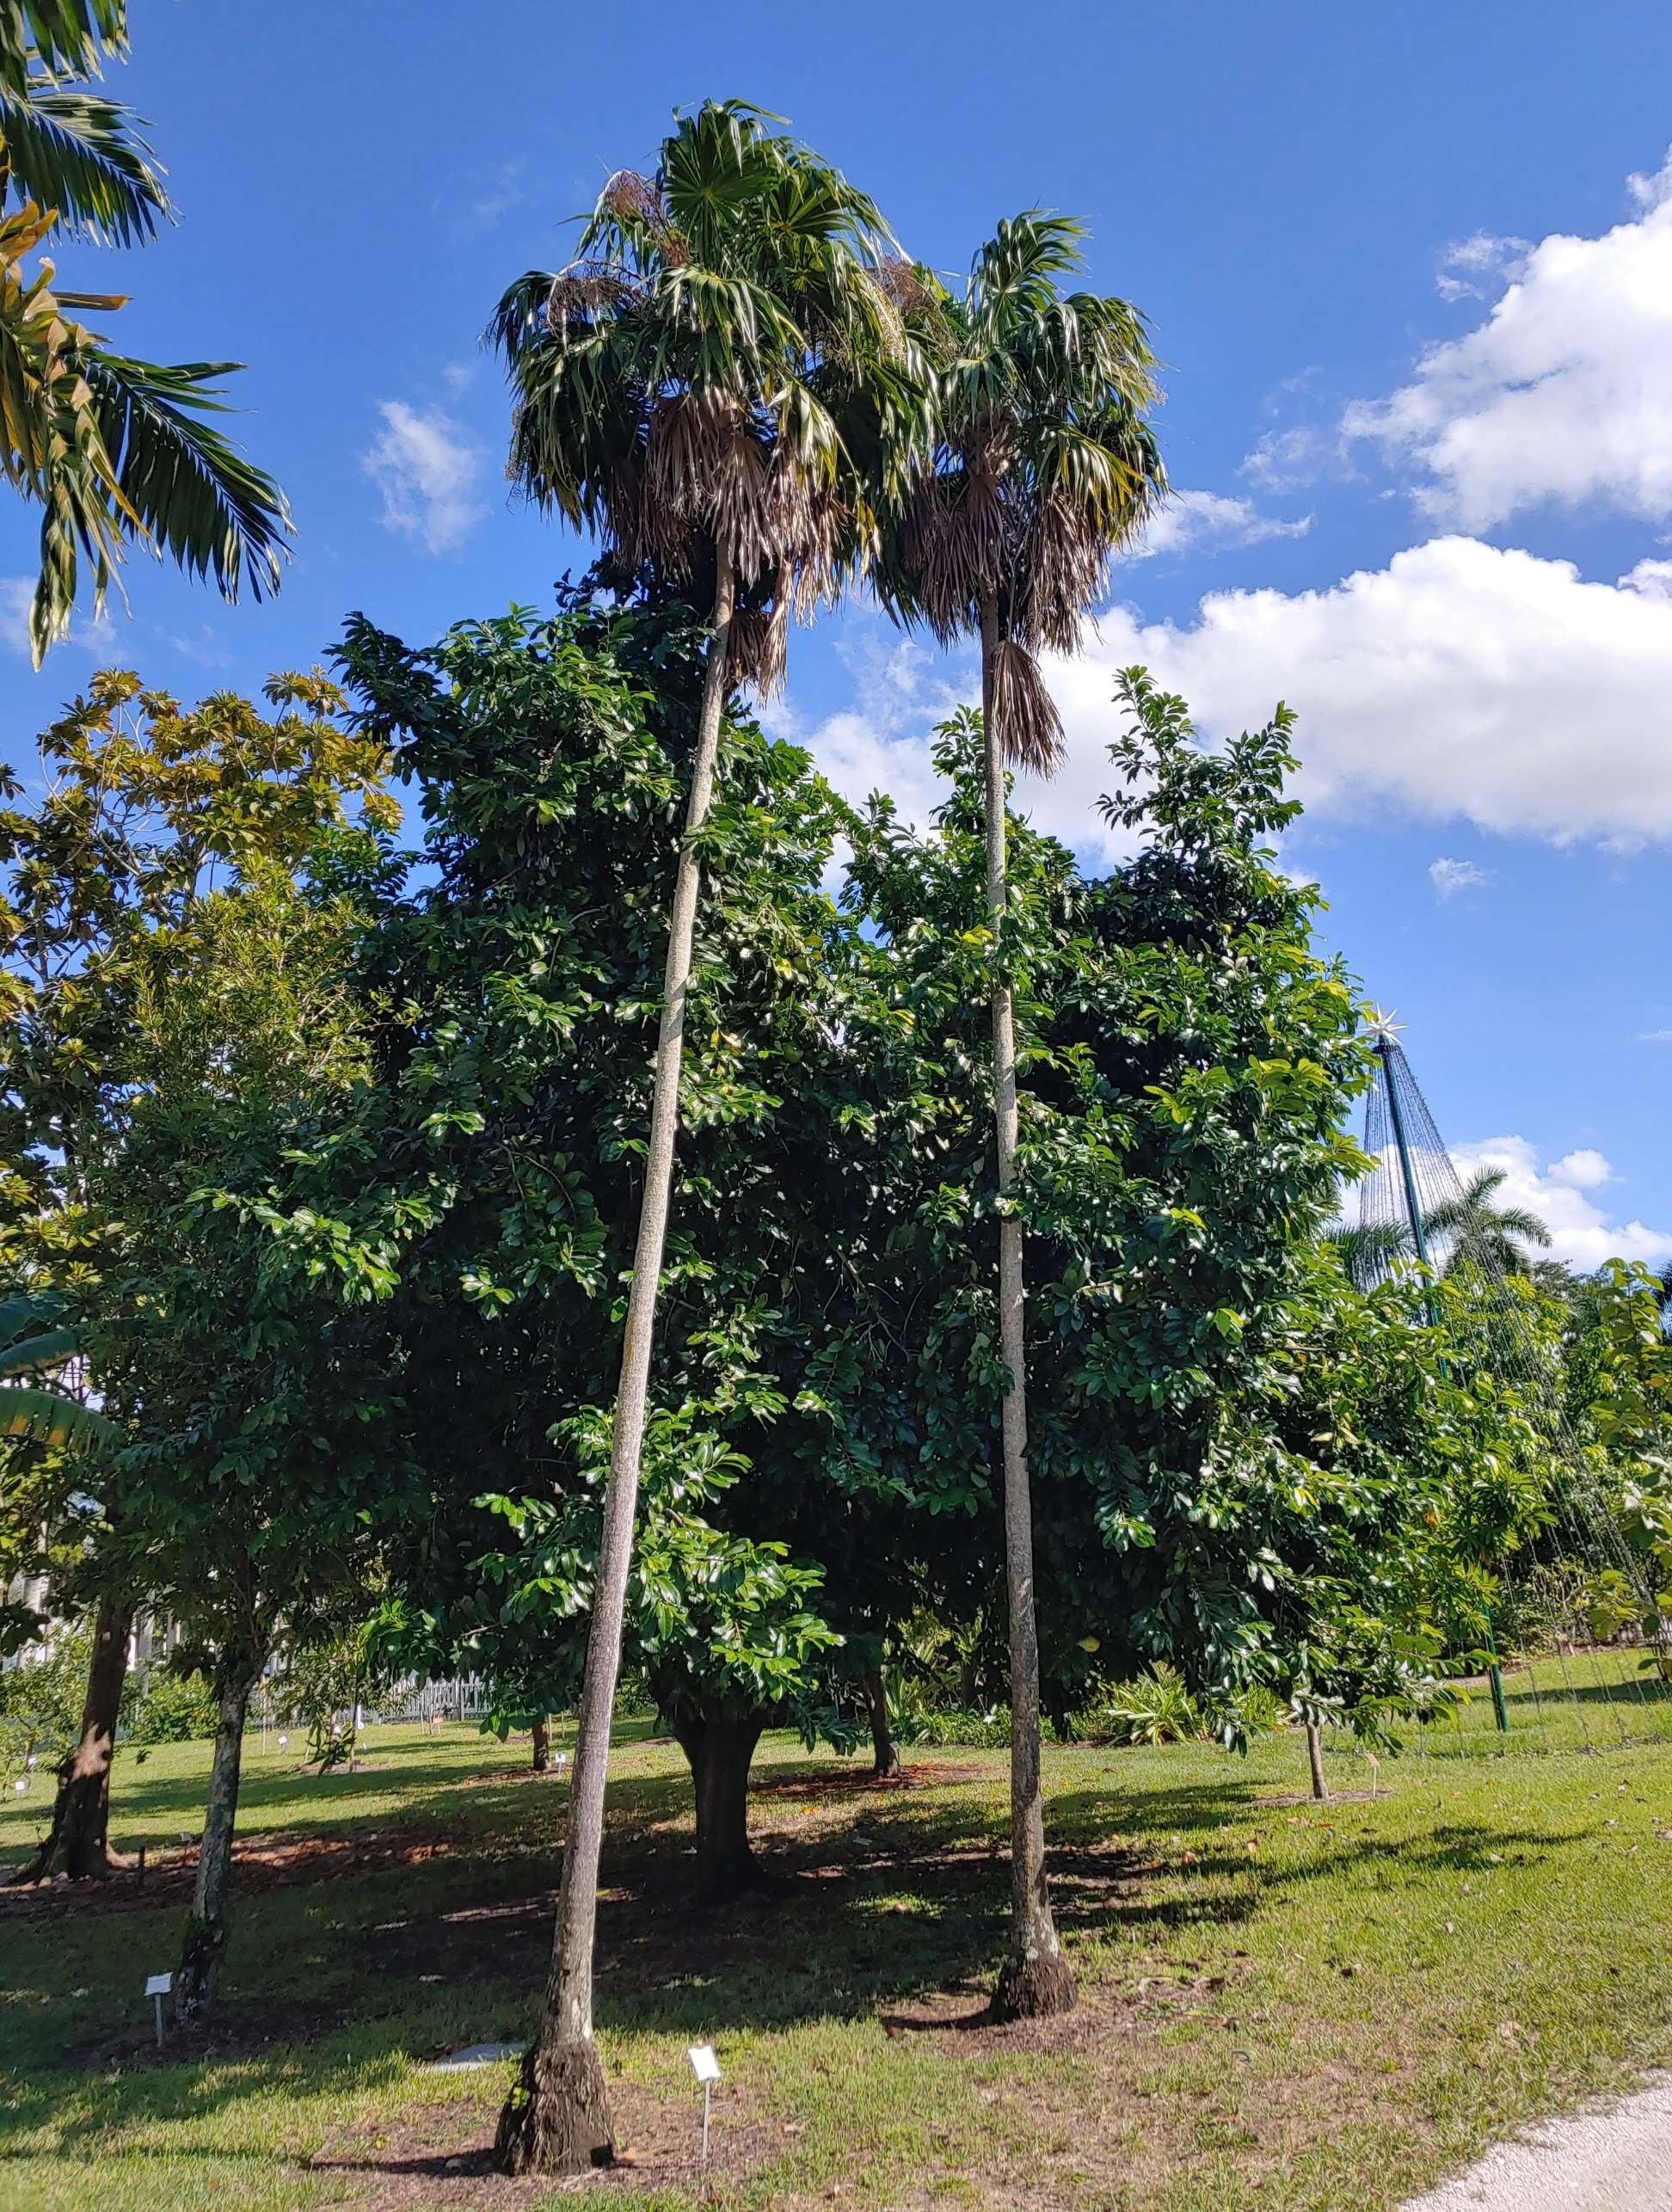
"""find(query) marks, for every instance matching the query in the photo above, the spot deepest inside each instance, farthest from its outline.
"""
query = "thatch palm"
(115, 450)
(1496, 1240)
(681, 390)
(1045, 466)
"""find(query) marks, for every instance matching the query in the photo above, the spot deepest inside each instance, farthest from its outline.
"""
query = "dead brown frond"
(584, 291)
(1023, 712)
(633, 199)
(757, 645)
(902, 282)
(1065, 557)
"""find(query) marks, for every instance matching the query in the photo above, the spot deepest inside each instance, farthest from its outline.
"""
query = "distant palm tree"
(1044, 467)
(1368, 1251)
(116, 451)
(681, 390)
(1495, 1240)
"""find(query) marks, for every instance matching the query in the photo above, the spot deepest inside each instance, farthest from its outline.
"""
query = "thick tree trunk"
(76, 1847)
(1320, 1788)
(556, 2120)
(542, 1755)
(719, 1738)
(206, 1929)
(1034, 1977)
(885, 1751)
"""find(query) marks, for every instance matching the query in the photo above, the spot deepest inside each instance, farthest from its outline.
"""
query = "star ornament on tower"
(1381, 1028)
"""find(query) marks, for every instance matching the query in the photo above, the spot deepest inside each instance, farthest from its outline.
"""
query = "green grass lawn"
(1284, 2004)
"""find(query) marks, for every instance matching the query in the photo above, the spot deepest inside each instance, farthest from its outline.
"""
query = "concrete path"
(1613, 2157)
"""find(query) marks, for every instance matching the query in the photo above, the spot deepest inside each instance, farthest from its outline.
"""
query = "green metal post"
(1419, 1238)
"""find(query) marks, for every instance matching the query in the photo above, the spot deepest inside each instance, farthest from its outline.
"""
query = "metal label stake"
(706, 2068)
(157, 1987)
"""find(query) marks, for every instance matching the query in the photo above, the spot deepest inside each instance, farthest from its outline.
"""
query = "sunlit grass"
(1285, 2004)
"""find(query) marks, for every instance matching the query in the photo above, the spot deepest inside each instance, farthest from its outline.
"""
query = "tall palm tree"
(1045, 466)
(680, 390)
(1494, 1240)
(117, 451)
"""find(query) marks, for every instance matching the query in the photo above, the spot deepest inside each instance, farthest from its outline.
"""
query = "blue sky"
(1411, 277)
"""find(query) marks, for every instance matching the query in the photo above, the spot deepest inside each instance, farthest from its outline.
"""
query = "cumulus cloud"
(1448, 877)
(1563, 394)
(427, 468)
(1582, 1233)
(1462, 682)
(1196, 520)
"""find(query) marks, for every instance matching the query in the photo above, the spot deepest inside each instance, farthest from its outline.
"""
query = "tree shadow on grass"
(899, 1897)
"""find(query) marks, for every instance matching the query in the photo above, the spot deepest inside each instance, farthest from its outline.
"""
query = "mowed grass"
(1284, 2004)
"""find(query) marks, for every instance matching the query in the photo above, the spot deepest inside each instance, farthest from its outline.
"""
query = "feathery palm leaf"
(1493, 1238)
(116, 451)
(59, 37)
(85, 158)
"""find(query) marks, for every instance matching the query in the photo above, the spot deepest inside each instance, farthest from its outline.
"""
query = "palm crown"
(1491, 1238)
(720, 373)
(116, 451)
(1044, 467)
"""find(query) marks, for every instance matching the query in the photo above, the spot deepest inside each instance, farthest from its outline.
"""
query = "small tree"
(145, 808)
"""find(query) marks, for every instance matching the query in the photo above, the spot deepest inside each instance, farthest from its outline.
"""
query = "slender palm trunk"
(76, 1845)
(556, 2120)
(1320, 1788)
(206, 1929)
(1034, 1977)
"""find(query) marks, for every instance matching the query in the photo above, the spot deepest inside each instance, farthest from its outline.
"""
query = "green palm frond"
(1043, 467)
(85, 158)
(149, 471)
(196, 497)
(719, 371)
(59, 37)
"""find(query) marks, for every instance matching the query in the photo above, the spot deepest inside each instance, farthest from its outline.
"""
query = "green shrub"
(1156, 1708)
(172, 1708)
(952, 1725)
(42, 1701)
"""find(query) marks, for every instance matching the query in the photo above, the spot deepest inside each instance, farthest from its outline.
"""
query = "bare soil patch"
(260, 1863)
(445, 2157)
(233, 2031)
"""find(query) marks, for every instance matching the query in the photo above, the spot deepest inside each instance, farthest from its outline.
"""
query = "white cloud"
(1656, 1037)
(1581, 1234)
(426, 467)
(1473, 267)
(1282, 459)
(1563, 394)
(902, 688)
(1462, 682)
(16, 595)
(1192, 520)
(1585, 1169)
(457, 374)
(1448, 877)
(88, 632)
